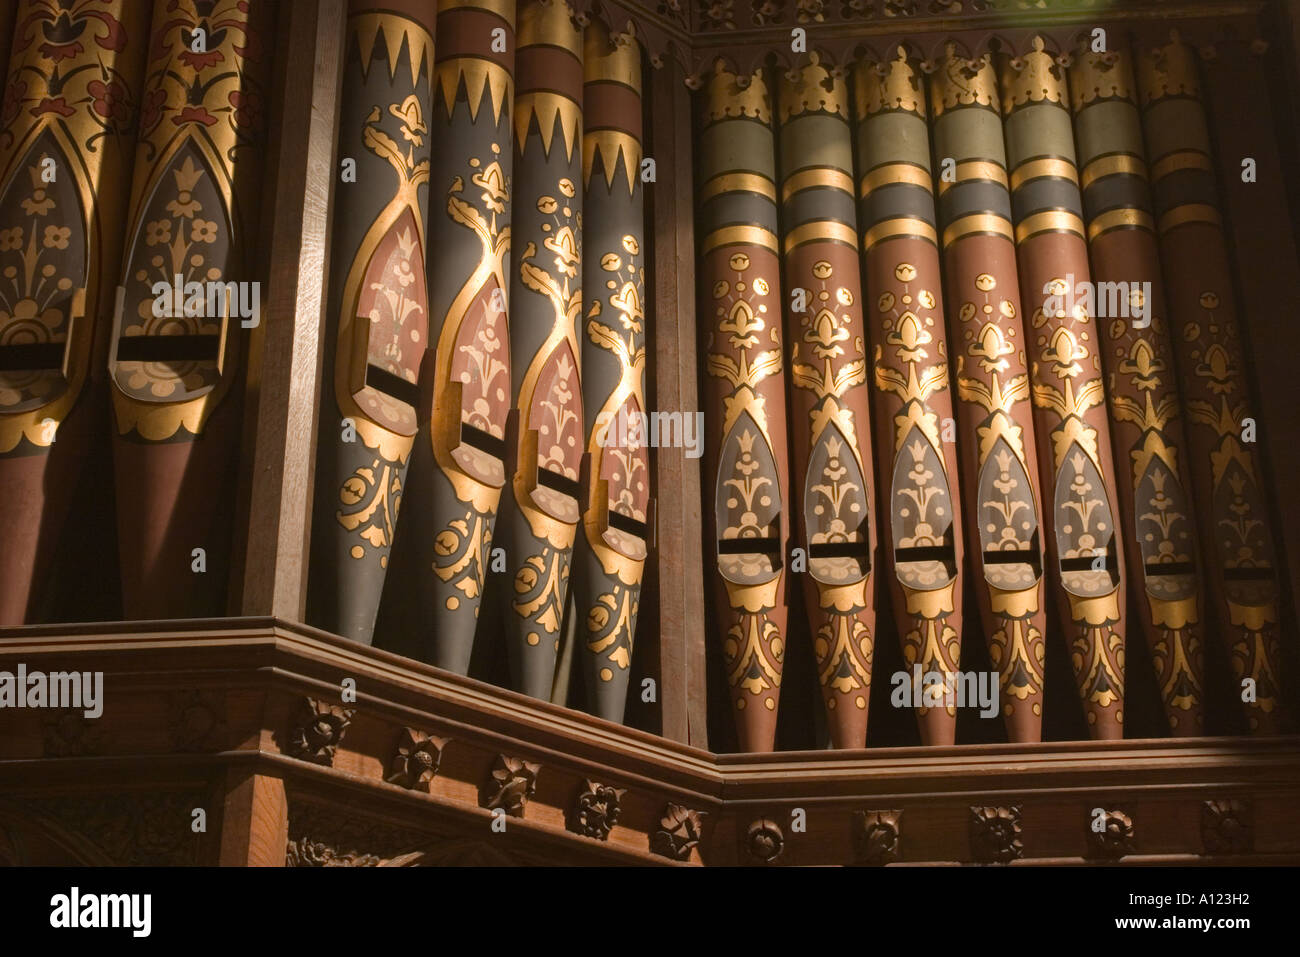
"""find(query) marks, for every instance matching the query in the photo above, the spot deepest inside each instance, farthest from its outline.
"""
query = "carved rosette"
(878, 837)
(744, 395)
(1003, 499)
(612, 548)
(317, 731)
(1110, 836)
(512, 782)
(416, 762)
(378, 316)
(68, 733)
(1146, 411)
(831, 417)
(541, 506)
(995, 834)
(595, 811)
(189, 290)
(679, 833)
(458, 463)
(1228, 826)
(1080, 523)
(67, 128)
(196, 722)
(764, 841)
(1224, 469)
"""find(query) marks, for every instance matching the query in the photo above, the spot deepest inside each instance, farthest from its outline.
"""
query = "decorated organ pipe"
(746, 472)
(67, 128)
(831, 491)
(188, 296)
(1002, 494)
(613, 541)
(378, 318)
(922, 535)
(458, 463)
(1081, 528)
(543, 503)
(1224, 467)
(1146, 411)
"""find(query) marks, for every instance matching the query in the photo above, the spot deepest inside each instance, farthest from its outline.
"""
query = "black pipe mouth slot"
(393, 386)
(195, 348)
(929, 553)
(838, 550)
(628, 525)
(1264, 573)
(31, 357)
(483, 441)
(1157, 569)
(748, 546)
(559, 483)
(1088, 564)
(1023, 556)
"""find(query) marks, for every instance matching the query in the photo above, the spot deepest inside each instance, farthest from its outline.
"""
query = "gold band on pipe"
(977, 223)
(1052, 220)
(813, 178)
(740, 235)
(897, 227)
(820, 230)
(892, 175)
(1041, 168)
(1119, 163)
(738, 183)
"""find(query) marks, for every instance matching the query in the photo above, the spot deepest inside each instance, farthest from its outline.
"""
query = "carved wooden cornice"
(577, 789)
(749, 33)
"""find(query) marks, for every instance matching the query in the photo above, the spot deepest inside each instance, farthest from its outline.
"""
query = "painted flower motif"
(194, 114)
(203, 231)
(151, 110)
(39, 203)
(11, 239)
(248, 108)
(403, 273)
(52, 105)
(56, 237)
(211, 53)
(15, 93)
(110, 100)
(413, 126)
(1063, 352)
(62, 38)
(493, 183)
(158, 232)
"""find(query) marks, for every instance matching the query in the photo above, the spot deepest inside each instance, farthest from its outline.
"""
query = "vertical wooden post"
(680, 580)
(284, 363)
(254, 821)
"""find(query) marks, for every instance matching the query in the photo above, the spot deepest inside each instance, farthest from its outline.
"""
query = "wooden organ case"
(643, 419)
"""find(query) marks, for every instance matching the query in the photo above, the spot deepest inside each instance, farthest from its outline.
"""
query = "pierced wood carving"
(417, 759)
(878, 837)
(596, 811)
(1228, 827)
(995, 834)
(319, 730)
(679, 832)
(512, 783)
